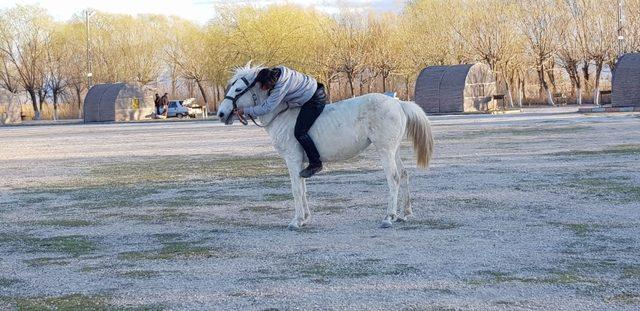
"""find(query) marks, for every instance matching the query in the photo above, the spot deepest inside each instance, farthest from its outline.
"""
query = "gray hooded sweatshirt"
(293, 88)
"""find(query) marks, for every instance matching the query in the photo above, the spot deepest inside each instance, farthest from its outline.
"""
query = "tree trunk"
(578, 95)
(578, 86)
(596, 90)
(216, 93)
(190, 88)
(204, 94)
(573, 85)
(552, 77)
(545, 86)
(34, 102)
(585, 73)
(509, 93)
(612, 65)
(55, 105)
(406, 84)
(549, 97)
(520, 92)
(350, 78)
(80, 108)
(173, 84)
(384, 83)
(574, 77)
(41, 97)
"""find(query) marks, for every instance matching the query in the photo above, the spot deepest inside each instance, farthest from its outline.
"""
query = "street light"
(88, 13)
(620, 29)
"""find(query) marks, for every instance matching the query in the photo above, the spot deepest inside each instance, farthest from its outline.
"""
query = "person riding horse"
(296, 90)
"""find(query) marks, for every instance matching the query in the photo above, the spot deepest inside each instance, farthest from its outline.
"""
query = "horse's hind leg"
(404, 199)
(393, 180)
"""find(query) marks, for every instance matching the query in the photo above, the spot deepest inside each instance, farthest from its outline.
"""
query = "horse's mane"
(244, 71)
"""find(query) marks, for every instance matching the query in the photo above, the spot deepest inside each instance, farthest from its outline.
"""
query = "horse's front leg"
(305, 203)
(298, 190)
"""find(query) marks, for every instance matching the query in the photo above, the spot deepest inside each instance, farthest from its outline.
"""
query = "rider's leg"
(307, 116)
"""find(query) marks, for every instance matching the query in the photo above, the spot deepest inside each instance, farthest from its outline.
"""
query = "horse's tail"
(419, 131)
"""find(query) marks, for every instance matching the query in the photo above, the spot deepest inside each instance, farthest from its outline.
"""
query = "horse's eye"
(238, 90)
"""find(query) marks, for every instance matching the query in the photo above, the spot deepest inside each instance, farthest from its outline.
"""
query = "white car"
(176, 109)
(194, 108)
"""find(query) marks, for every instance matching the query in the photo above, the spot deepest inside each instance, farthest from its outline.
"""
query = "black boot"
(315, 165)
(311, 170)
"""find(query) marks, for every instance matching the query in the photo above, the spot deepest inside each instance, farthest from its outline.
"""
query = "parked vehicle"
(194, 108)
(176, 109)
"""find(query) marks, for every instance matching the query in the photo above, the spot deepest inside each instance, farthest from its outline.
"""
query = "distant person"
(157, 103)
(164, 100)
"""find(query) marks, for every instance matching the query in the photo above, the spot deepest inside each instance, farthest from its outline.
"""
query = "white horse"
(342, 131)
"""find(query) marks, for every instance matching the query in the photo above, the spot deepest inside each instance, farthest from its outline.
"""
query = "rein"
(274, 117)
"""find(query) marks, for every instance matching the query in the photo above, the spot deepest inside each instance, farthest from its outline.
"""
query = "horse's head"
(241, 92)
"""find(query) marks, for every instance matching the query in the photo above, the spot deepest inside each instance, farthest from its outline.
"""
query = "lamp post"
(620, 28)
(88, 13)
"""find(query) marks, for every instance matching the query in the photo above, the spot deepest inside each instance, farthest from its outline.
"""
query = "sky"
(197, 10)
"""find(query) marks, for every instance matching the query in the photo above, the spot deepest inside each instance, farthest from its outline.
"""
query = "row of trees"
(539, 45)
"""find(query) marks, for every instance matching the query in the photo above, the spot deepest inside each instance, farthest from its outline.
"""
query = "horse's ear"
(248, 65)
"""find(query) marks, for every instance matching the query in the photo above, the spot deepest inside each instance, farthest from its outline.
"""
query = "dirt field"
(535, 211)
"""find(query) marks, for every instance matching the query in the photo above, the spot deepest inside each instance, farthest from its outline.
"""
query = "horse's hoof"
(401, 219)
(386, 223)
(305, 221)
(293, 226)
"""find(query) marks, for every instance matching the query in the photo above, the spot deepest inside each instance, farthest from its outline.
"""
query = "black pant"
(309, 112)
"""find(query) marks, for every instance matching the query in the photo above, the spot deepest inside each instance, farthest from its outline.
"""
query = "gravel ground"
(531, 211)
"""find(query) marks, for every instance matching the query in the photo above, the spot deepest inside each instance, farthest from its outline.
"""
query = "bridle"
(254, 96)
(233, 100)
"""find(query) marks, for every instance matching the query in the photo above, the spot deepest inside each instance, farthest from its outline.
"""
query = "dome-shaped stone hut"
(117, 102)
(457, 88)
(625, 84)
(10, 108)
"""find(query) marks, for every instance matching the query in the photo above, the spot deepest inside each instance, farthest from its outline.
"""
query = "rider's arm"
(277, 94)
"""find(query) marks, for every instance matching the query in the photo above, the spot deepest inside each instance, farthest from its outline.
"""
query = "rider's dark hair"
(267, 75)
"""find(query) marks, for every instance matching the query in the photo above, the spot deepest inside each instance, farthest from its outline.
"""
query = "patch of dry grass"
(65, 111)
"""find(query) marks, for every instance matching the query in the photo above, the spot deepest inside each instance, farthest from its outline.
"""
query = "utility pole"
(620, 29)
(87, 14)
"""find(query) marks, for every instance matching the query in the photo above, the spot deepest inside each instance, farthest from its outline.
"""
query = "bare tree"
(487, 31)
(540, 24)
(597, 27)
(24, 34)
(631, 30)
(71, 38)
(349, 39)
(189, 55)
(384, 34)
(9, 79)
(570, 51)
